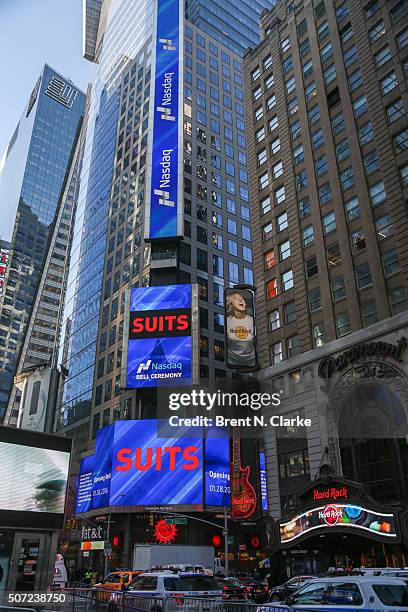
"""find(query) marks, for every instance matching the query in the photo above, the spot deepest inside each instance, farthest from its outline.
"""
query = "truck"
(147, 556)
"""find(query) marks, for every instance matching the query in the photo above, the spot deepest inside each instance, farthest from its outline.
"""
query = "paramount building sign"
(163, 214)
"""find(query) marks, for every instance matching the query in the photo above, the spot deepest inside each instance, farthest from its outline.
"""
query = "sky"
(32, 33)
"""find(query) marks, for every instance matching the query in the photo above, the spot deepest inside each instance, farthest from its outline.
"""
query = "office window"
(350, 56)
(338, 288)
(395, 111)
(248, 276)
(274, 320)
(342, 150)
(311, 267)
(384, 227)
(275, 146)
(382, 56)
(232, 248)
(310, 91)
(267, 231)
(261, 157)
(317, 139)
(346, 33)
(301, 180)
(358, 241)
(290, 85)
(287, 280)
(329, 223)
(293, 346)
(307, 69)
(263, 181)
(314, 114)
(333, 255)
(247, 253)
(256, 73)
(282, 222)
(308, 236)
(371, 8)
(319, 335)
(265, 205)
(304, 47)
(352, 209)
(326, 52)
(377, 193)
(257, 93)
(271, 102)
(321, 166)
(298, 154)
(404, 175)
(389, 82)
(304, 207)
(369, 313)
(276, 353)
(391, 263)
(343, 325)
(295, 129)
(337, 124)
(402, 39)
(315, 299)
(363, 276)
(355, 80)
(366, 133)
(371, 162)
(290, 312)
(271, 289)
(330, 74)
(399, 11)
(401, 141)
(246, 232)
(285, 44)
(279, 195)
(277, 170)
(233, 272)
(232, 226)
(269, 81)
(376, 31)
(347, 178)
(258, 113)
(360, 106)
(342, 11)
(323, 31)
(293, 107)
(398, 300)
(273, 123)
(260, 134)
(269, 259)
(267, 62)
(284, 250)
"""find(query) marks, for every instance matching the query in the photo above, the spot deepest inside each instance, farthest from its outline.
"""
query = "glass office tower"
(109, 253)
(33, 170)
(233, 24)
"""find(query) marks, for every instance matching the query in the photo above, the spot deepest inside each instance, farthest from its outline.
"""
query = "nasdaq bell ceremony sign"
(146, 463)
(163, 217)
(159, 338)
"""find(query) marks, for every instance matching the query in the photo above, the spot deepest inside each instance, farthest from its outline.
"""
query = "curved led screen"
(345, 516)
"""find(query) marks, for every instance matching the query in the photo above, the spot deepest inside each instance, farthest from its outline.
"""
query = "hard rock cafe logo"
(331, 515)
(241, 332)
(164, 533)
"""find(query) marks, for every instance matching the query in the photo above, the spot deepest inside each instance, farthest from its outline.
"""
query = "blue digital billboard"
(163, 216)
(160, 339)
(146, 463)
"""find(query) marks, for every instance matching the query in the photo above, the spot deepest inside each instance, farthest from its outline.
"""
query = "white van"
(60, 573)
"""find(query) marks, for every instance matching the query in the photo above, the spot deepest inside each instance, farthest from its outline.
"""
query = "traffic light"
(117, 541)
(216, 540)
(151, 520)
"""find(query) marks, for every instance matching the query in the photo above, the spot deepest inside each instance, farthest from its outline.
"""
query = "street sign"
(108, 549)
(177, 520)
(230, 539)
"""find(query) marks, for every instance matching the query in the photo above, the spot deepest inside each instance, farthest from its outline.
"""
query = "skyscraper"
(33, 171)
(110, 254)
(326, 106)
(234, 25)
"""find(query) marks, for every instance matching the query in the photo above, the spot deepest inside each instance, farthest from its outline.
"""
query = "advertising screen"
(147, 463)
(332, 516)
(159, 344)
(240, 333)
(262, 473)
(164, 210)
(217, 468)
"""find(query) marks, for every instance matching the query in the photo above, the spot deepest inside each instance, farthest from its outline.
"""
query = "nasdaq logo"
(167, 44)
(144, 367)
(164, 198)
(165, 114)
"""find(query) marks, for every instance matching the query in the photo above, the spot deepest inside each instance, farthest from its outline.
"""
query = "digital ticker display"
(159, 343)
(148, 463)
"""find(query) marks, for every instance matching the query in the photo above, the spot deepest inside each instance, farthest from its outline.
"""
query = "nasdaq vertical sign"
(163, 214)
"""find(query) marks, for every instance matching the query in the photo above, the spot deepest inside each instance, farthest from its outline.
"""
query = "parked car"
(282, 592)
(257, 591)
(168, 590)
(233, 589)
(353, 593)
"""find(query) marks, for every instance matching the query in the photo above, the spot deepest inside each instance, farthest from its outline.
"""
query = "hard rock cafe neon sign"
(164, 533)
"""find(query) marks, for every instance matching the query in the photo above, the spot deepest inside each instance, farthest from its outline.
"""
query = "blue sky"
(32, 33)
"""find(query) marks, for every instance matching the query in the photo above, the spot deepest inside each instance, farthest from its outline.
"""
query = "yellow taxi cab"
(115, 581)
